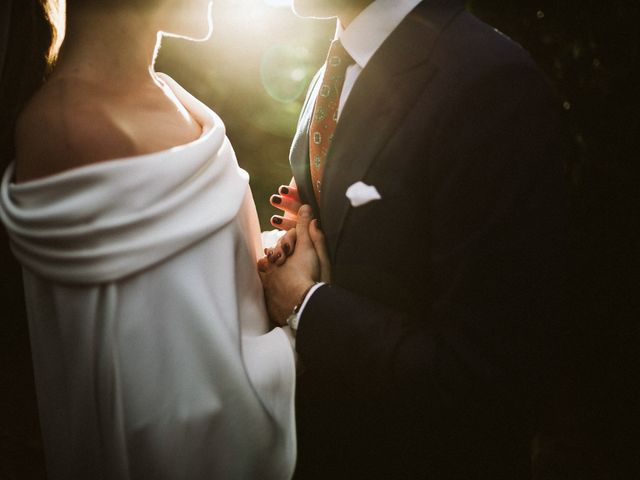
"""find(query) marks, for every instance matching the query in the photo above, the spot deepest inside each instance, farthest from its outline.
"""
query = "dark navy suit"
(430, 352)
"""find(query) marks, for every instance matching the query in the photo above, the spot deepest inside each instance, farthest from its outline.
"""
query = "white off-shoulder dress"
(152, 352)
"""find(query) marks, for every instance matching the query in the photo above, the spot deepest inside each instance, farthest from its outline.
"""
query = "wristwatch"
(294, 318)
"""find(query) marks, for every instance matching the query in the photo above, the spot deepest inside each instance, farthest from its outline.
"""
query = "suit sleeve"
(496, 256)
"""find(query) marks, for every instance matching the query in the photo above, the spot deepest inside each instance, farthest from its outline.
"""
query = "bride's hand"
(287, 200)
(283, 249)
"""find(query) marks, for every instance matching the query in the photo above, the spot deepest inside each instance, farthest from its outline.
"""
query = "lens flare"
(284, 71)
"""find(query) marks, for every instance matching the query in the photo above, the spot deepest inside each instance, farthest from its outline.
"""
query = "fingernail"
(278, 256)
(276, 199)
(318, 225)
(286, 248)
(277, 220)
(284, 190)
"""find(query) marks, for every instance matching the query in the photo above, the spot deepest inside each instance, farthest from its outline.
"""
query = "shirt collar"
(369, 30)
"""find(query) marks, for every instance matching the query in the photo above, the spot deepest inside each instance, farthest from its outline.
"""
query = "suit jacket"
(428, 355)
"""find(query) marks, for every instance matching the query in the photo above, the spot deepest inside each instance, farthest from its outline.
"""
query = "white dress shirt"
(365, 35)
(362, 39)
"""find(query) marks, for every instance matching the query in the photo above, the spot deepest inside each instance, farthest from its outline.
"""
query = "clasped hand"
(298, 261)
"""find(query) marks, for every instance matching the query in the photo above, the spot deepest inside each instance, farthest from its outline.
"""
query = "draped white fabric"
(152, 354)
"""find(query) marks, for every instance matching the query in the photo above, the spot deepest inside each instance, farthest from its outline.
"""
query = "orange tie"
(325, 113)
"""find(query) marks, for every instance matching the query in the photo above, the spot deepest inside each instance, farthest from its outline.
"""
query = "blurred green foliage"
(254, 73)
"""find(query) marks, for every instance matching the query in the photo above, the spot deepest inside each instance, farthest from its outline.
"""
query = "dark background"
(254, 72)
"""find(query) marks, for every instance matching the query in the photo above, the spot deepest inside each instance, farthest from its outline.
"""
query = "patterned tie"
(325, 113)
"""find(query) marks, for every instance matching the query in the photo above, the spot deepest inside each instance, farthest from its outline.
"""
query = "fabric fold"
(106, 221)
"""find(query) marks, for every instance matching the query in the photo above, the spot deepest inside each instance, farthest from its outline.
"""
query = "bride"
(139, 241)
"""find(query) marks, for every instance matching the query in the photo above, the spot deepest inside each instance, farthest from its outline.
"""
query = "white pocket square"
(360, 194)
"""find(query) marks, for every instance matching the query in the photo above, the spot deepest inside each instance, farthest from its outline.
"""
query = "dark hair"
(31, 43)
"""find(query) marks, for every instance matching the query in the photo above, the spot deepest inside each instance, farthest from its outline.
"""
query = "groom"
(429, 150)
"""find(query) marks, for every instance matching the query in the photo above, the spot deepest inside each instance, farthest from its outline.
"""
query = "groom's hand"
(287, 200)
(286, 285)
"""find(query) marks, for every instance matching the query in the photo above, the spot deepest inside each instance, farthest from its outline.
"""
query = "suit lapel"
(299, 156)
(385, 91)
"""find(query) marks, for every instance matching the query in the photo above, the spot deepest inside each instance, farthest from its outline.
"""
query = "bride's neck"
(114, 47)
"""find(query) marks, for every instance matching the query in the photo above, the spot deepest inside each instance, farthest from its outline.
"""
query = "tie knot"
(338, 57)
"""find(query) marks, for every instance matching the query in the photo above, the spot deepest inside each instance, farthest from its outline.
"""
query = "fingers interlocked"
(283, 249)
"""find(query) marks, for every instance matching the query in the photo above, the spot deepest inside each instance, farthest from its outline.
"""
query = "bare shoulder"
(64, 126)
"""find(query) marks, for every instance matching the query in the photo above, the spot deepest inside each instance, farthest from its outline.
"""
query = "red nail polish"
(284, 190)
(277, 220)
(276, 199)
